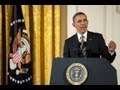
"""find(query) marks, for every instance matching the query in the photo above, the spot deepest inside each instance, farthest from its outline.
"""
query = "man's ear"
(87, 21)
(73, 24)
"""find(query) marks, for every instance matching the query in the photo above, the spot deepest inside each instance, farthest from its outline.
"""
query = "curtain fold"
(48, 40)
(8, 11)
(1, 45)
(4, 41)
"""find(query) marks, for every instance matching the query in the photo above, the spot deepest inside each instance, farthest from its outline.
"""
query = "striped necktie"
(82, 47)
(82, 42)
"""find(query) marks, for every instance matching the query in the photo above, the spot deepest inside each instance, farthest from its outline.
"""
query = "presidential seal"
(76, 74)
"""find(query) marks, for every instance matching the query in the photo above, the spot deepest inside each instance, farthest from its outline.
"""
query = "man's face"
(81, 23)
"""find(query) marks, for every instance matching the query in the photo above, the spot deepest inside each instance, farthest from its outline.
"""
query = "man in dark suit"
(87, 44)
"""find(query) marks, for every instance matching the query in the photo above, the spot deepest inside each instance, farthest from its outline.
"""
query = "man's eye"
(79, 21)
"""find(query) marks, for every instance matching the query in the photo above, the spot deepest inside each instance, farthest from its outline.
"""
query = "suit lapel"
(89, 40)
(75, 42)
(75, 38)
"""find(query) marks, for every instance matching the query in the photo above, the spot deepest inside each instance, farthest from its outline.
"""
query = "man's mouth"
(83, 27)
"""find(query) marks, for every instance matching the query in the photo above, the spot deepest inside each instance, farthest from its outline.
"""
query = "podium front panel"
(100, 71)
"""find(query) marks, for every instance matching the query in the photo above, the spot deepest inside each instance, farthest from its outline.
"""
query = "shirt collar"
(85, 35)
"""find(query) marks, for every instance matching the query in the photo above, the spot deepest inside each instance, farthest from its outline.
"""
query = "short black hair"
(78, 13)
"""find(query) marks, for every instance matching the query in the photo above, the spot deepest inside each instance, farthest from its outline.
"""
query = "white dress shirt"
(85, 36)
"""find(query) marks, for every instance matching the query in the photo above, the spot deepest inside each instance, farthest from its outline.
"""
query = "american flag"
(17, 57)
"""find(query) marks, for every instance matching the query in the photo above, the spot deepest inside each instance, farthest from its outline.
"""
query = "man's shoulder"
(94, 33)
(71, 37)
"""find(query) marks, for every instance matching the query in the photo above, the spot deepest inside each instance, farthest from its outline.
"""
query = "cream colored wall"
(103, 19)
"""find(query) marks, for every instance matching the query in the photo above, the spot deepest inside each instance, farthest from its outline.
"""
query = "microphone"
(78, 52)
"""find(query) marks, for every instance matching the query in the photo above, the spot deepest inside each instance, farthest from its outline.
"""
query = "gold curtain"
(43, 27)
(5, 18)
(0, 45)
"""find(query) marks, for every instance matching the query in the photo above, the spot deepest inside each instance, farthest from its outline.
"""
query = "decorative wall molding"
(118, 9)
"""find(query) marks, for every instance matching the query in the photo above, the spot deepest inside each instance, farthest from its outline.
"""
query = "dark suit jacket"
(96, 47)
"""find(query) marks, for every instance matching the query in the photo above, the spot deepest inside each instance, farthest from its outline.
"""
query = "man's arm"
(111, 47)
(104, 51)
(66, 52)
